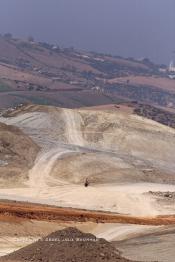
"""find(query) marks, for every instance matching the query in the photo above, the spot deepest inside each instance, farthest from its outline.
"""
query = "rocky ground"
(67, 245)
(163, 198)
(166, 195)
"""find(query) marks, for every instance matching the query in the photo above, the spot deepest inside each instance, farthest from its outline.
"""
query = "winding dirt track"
(20, 210)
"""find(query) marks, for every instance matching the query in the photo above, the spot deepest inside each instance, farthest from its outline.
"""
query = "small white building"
(171, 70)
(171, 67)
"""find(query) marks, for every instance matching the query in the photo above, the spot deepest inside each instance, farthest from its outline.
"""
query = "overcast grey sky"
(137, 28)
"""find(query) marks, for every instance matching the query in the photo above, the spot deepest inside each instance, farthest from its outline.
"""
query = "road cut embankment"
(20, 210)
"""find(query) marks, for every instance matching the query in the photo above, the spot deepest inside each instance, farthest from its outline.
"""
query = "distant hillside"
(41, 73)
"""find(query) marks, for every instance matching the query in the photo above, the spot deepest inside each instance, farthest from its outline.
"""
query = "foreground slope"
(122, 155)
(136, 242)
(67, 245)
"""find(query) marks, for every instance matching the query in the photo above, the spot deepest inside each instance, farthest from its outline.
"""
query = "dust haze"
(130, 28)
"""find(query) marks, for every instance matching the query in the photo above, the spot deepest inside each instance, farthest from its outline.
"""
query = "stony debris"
(166, 195)
(68, 245)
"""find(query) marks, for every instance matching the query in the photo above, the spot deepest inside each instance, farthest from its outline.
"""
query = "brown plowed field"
(19, 210)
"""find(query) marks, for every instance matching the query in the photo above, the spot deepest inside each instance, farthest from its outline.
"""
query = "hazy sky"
(138, 28)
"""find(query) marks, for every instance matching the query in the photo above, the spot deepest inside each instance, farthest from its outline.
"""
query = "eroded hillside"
(17, 155)
(122, 155)
(127, 160)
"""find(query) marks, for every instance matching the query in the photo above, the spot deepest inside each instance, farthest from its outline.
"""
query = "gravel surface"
(68, 245)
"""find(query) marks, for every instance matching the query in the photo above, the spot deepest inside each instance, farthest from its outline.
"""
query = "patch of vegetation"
(4, 87)
(156, 114)
(36, 100)
(39, 100)
(145, 94)
(113, 69)
(29, 45)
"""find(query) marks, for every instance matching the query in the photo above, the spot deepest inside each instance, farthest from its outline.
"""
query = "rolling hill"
(42, 73)
(87, 140)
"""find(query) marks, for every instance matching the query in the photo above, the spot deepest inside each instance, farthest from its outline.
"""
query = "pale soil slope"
(114, 150)
(17, 155)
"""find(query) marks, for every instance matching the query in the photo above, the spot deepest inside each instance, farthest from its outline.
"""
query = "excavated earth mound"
(123, 156)
(67, 245)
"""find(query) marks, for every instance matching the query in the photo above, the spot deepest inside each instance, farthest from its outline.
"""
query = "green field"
(4, 87)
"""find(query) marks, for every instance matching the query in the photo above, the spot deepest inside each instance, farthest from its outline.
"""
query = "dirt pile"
(67, 245)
